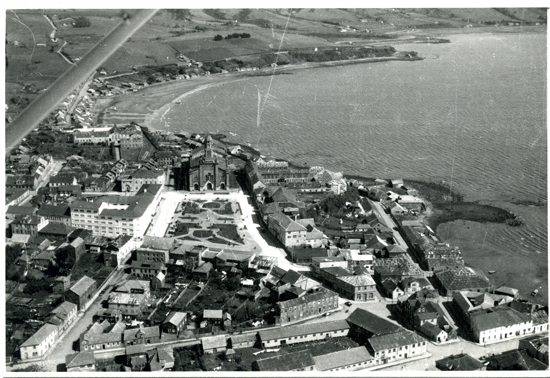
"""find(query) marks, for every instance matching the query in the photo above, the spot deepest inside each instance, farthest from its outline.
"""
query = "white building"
(396, 346)
(499, 325)
(117, 215)
(39, 343)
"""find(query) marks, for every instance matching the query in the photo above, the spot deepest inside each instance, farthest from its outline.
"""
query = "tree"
(12, 253)
(36, 286)
(81, 22)
(218, 37)
(65, 259)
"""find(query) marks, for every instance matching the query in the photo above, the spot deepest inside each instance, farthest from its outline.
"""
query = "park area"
(209, 221)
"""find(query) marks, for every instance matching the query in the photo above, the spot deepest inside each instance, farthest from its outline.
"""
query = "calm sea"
(472, 114)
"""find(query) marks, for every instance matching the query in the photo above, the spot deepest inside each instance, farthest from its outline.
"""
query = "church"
(207, 168)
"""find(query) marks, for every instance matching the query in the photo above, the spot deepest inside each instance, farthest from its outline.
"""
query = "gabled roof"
(303, 329)
(342, 358)
(57, 229)
(298, 360)
(459, 362)
(212, 314)
(290, 277)
(175, 318)
(359, 280)
(132, 334)
(42, 334)
(22, 210)
(394, 340)
(372, 323)
(499, 317)
(286, 223)
(79, 359)
(211, 342)
(82, 285)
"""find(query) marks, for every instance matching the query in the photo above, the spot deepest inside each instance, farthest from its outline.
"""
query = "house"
(63, 316)
(391, 288)
(509, 291)
(364, 324)
(347, 359)
(287, 231)
(303, 333)
(394, 346)
(82, 292)
(460, 362)
(433, 332)
(213, 316)
(28, 224)
(202, 273)
(80, 362)
(56, 231)
(464, 278)
(161, 359)
(155, 248)
(39, 343)
(95, 338)
(174, 323)
(119, 251)
(131, 183)
(213, 344)
(297, 361)
(536, 347)
(515, 360)
(148, 270)
(411, 285)
(244, 340)
(499, 324)
(56, 214)
(141, 335)
(310, 305)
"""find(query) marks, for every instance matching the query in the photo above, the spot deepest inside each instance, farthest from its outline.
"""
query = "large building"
(207, 169)
(132, 182)
(39, 343)
(113, 216)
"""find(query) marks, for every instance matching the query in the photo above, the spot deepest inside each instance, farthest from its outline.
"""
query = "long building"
(113, 216)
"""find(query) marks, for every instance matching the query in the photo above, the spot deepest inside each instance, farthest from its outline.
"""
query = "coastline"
(155, 100)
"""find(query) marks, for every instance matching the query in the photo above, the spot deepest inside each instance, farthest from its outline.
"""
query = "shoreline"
(156, 99)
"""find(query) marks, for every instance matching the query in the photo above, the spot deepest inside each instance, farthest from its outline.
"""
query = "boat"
(492, 271)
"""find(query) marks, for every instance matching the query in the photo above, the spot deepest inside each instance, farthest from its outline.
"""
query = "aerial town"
(130, 249)
(134, 250)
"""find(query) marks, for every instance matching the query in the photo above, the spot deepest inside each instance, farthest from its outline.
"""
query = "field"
(32, 58)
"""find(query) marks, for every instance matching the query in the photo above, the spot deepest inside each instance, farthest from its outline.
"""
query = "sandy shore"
(155, 100)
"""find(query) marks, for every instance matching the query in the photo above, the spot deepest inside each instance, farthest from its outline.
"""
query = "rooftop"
(394, 340)
(342, 358)
(303, 329)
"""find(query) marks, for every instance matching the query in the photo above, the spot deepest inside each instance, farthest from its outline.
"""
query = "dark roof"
(132, 334)
(52, 210)
(497, 317)
(291, 277)
(57, 229)
(515, 360)
(461, 362)
(286, 362)
(22, 210)
(372, 323)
